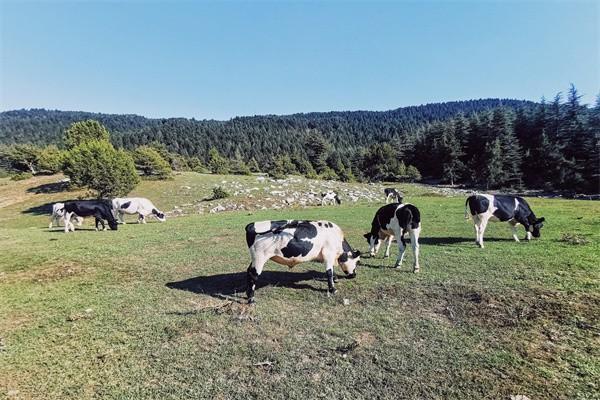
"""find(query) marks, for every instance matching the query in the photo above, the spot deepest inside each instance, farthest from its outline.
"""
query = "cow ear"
(541, 219)
(356, 253)
(367, 235)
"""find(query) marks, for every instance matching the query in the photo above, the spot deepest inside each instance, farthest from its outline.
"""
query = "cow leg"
(254, 270)
(67, 218)
(528, 237)
(513, 228)
(414, 242)
(330, 277)
(482, 226)
(401, 250)
(121, 217)
(389, 244)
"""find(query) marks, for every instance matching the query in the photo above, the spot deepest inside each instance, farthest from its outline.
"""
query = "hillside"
(344, 129)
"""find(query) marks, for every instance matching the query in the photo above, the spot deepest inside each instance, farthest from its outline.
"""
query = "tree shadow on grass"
(54, 187)
(42, 209)
(232, 286)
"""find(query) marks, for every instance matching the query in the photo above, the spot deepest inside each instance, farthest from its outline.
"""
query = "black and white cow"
(136, 205)
(58, 213)
(99, 209)
(395, 220)
(293, 242)
(330, 197)
(504, 208)
(393, 194)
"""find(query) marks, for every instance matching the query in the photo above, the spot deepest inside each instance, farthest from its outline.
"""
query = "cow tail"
(467, 213)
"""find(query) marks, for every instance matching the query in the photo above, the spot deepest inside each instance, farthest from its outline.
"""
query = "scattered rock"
(217, 209)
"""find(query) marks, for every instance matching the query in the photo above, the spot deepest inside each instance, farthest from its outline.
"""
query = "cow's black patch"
(409, 217)
(299, 246)
(505, 207)
(478, 204)
(320, 224)
(125, 205)
(250, 234)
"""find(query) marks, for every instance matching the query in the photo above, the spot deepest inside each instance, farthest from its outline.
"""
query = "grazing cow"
(330, 197)
(58, 213)
(99, 209)
(504, 208)
(393, 194)
(293, 242)
(395, 220)
(136, 205)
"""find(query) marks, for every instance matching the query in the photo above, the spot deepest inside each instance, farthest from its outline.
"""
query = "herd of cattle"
(291, 242)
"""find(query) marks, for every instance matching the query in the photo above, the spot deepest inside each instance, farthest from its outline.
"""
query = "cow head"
(374, 242)
(536, 226)
(348, 262)
(159, 215)
(112, 224)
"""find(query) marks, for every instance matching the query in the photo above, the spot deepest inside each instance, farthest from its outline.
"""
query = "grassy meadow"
(158, 310)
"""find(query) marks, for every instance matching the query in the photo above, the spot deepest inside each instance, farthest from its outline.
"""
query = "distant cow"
(504, 208)
(395, 220)
(293, 242)
(100, 209)
(393, 194)
(58, 213)
(330, 197)
(136, 205)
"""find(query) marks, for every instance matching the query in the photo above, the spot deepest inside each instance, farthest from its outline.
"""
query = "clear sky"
(222, 59)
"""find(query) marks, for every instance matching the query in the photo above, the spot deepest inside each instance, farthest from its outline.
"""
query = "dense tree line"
(489, 143)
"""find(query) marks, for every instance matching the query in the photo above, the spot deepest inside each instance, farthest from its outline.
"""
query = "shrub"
(50, 160)
(239, 167)
(98, 166)
(151, 164)
(329, 174)
(85, 131)
(217, 163)
(413, 173)
(219, 193)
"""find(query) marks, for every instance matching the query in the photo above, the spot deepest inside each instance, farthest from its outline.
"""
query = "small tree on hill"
(85, 131)
(151, 164)
(100, 167)
(217, 163)
(94, 163)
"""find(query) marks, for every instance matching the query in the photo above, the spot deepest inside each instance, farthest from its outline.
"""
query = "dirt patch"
(43, 274)
(459, 304)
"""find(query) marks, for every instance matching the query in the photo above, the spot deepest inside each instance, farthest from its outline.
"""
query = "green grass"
(104, 314)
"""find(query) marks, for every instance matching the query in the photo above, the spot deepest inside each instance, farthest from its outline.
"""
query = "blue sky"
(222, 59)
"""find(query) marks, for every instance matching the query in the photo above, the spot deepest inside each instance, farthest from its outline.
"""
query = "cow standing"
(392, 194)
(136, 205)
(58, 213)
(100, 209)
(330, 197)
(294, 242)
(395, 220)
(503, 208)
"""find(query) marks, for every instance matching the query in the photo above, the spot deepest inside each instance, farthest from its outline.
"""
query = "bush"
(85, 131)
(217, 163)
(151, 164)
(413, 173)
(329, 174)
(239, 167)
(50, 160)
(99, 167)
(219, 193)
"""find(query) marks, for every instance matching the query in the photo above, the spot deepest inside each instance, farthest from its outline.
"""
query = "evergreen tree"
(217, 164)
(151, 164)
(84, 131)
(317, 149)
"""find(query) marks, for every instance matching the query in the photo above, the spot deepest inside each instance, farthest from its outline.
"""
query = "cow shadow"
(232, 286)
(55, 187)
(445, 241)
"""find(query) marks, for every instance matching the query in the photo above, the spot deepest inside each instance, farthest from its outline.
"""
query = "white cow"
(291, 242)
(136, 205)
(58, 214)
(330, 197)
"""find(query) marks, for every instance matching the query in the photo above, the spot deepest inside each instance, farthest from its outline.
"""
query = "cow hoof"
(416, 270)
(331, 292)
(251, 300)
(96, 229)
(386, 256)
